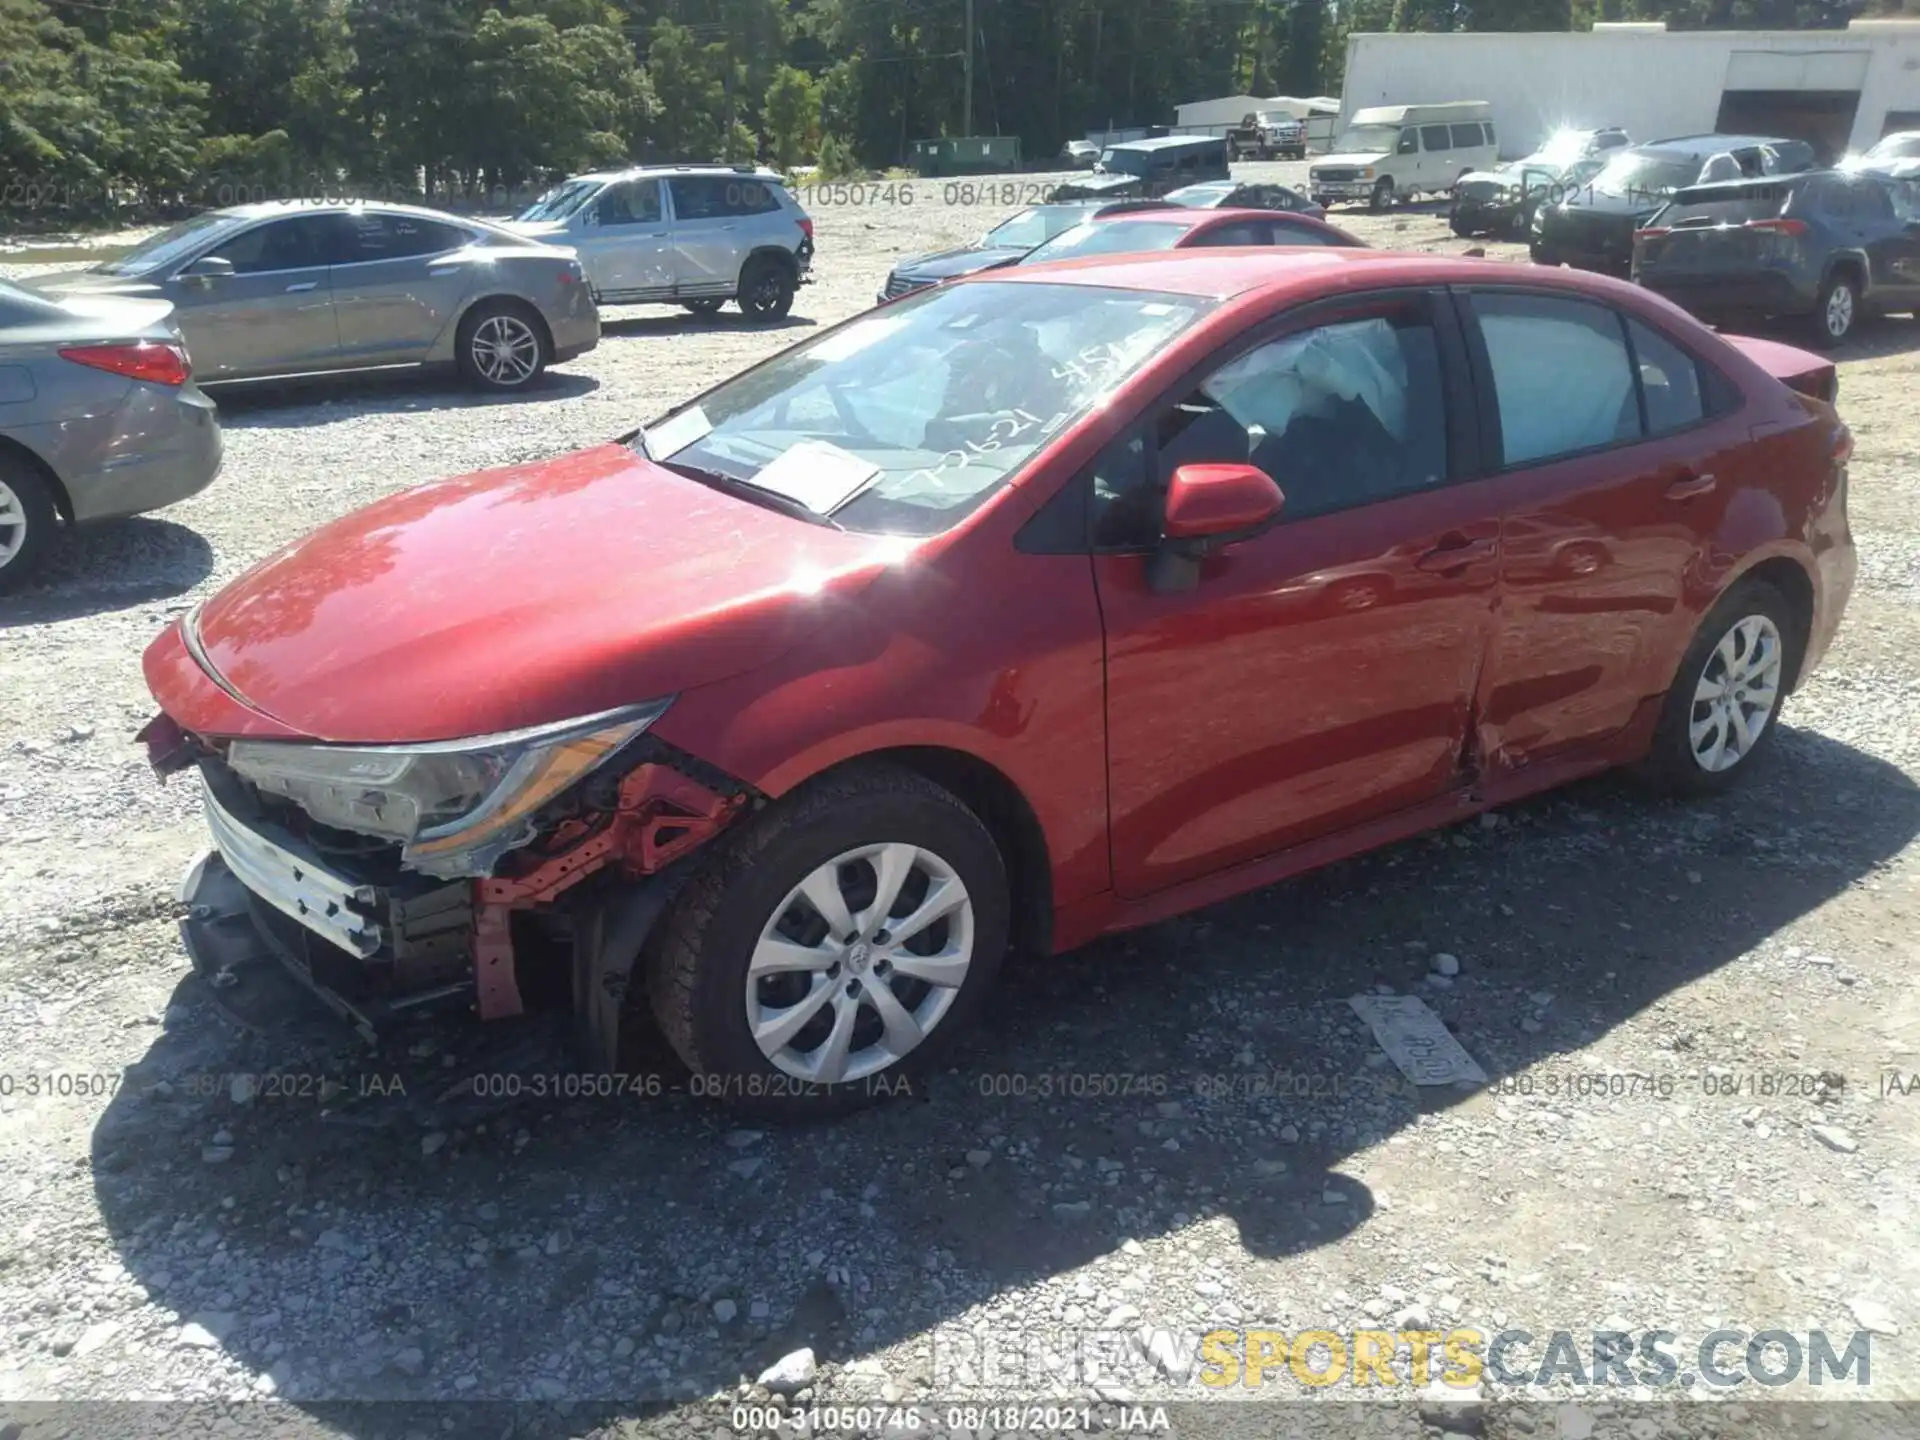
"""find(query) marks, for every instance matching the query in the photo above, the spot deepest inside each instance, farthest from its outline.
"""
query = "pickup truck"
(1265, 136)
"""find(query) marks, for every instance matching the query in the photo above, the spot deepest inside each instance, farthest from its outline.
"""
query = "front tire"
(1382, 197)
(27, 521)
(1725, 702)
(766, 289)
(502, 347)
(837, 945)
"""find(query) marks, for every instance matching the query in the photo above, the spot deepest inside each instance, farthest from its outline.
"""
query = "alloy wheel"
(1839, 312)
(1736, 695)
(505, 350)
(13, 524)
(859, 963)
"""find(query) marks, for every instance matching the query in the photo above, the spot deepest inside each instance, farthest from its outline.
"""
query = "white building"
(1842, 89)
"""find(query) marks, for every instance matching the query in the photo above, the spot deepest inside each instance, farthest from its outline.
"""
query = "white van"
(1395, 152)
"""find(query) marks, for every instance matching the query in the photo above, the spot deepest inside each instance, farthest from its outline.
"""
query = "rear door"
(1892, 244)
(274, 314)
(1608, 489)
(625, 243)
(398, 285)
(710, 238)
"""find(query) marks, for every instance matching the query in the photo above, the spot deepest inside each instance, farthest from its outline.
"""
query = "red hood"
(521, 596)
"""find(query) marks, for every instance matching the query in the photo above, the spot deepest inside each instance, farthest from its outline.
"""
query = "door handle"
(1689, 484)
(303, 285)
(1457, 554)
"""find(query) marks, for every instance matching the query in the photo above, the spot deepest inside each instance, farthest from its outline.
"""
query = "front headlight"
(1366, 172)
(455, 805)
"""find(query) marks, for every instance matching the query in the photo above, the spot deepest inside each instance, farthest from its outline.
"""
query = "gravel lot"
(601, 1266)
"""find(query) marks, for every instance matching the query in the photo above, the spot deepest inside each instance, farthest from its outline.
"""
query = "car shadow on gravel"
(110, 565)
(290, 404)
(627, 1254)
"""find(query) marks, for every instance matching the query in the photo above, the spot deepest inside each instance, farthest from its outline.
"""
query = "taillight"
(806, 226)
(1779, 227)
(151, 360)
(1652, 232)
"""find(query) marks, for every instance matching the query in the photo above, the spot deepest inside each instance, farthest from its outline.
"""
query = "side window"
(746, 196)
(1669, 381)
(1487, 125)
(1561, 376)
(1435, 137)
(1409, 143)
(1466, 137)
(1870, 202)
(1339, 415)
(1190, 161)
(302, 243)
(634, 202)
(1906, 200)
(1284, 234)
(399, 237)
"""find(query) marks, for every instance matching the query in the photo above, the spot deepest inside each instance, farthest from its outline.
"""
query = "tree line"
(114, 107)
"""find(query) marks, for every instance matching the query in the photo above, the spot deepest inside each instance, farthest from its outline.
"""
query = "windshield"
(1649, 174)
(1207, 193)
(561, 201)
(1030, 227)
(1905, 146)
(1101, 238)
(166, 247)
(1123, 162)
(1368, 139)
(903, 421)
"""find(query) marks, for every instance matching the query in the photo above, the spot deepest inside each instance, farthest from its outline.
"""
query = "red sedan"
(1023, 610)
(1180, 227)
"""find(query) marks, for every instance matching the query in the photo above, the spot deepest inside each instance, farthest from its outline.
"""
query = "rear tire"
(1741, 660)
(28, 521)
(502, 347)
(767, 288)
(1835, 312)
(747, 944)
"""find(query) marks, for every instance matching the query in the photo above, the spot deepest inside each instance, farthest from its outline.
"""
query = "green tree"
(792, 117)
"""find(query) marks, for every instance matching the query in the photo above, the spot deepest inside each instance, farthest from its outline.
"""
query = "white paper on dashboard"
(819, 475)
(676, 432)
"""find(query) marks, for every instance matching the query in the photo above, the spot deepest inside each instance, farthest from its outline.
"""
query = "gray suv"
(692, 235)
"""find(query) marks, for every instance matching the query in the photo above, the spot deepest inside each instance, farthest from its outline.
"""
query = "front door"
(397, 288)
(1320, 674)
(1608, 490)
(624, 243)
(274, 314)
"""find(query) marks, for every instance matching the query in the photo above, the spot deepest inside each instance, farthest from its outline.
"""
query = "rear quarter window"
(1735, 209)
(1465, 137)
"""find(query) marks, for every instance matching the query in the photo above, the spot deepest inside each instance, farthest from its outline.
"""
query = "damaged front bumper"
(281, 900)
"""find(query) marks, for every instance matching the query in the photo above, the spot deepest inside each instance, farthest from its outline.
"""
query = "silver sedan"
(99, 416)
(269, 291)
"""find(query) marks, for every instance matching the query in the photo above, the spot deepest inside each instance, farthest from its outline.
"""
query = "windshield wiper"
(746, 490)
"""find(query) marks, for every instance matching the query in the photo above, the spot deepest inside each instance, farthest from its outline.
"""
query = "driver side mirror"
(1209, 507)
(208, 267)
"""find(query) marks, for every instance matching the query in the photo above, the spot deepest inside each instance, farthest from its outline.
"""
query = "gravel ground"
(1178, 1131)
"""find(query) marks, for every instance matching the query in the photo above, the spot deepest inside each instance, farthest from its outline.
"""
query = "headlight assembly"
(455, 806)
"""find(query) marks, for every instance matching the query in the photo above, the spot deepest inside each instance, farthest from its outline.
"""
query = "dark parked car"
(99, 417)
(1036, 607)
(1002, 245)
(1824, 248)
(1592, 228)
(1245, 195)
(1148, 169)
(1502, 200)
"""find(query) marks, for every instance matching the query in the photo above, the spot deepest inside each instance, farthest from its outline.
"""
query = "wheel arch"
(33, 460)
(1849, 262)
(778, 253)
(1789, 576)
(504, 297)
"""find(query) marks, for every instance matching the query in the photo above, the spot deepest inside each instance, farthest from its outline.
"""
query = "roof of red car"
(1235, 270)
